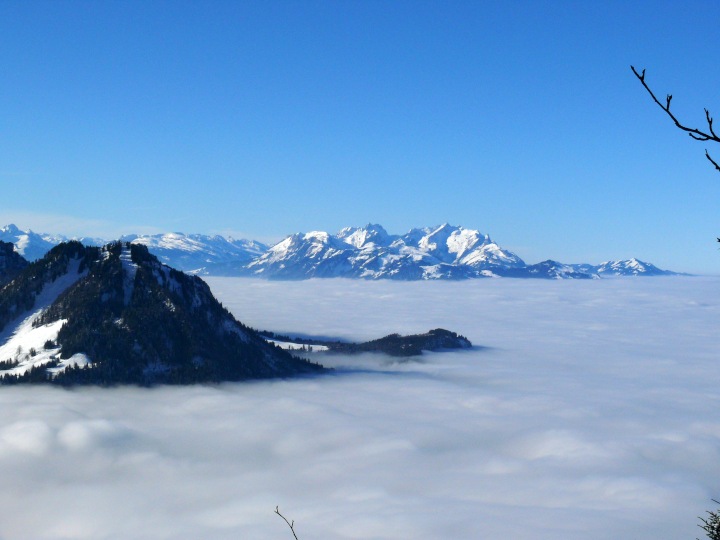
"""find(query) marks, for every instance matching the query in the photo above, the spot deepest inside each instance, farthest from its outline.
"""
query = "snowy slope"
(23, 345)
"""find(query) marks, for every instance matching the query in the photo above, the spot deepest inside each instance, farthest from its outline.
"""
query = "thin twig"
(290, 524)
(712, 160)
(695, 133)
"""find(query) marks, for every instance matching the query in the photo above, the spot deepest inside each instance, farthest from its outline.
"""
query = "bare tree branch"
(290, 524)
(695, 133)
(710, 122)
(712, 160)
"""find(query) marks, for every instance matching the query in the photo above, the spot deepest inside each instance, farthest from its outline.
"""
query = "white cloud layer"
(591, 413)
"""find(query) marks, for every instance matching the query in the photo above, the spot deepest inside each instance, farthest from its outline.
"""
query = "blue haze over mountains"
(370, 252)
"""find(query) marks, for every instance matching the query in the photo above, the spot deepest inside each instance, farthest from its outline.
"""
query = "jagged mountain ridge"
(117, 315)
(370, 252)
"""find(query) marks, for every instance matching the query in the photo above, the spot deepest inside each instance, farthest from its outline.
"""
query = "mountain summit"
(117, 315)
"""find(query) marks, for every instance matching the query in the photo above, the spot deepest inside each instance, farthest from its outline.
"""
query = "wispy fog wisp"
(591, 413)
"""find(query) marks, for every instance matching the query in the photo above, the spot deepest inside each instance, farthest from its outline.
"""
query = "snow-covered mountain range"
(200, 254)
(192, 253)
(33, 246)
(370, 252)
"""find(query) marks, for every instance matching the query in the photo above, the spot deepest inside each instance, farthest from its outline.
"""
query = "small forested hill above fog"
(117, 315)
(392, 344)
(370, 252)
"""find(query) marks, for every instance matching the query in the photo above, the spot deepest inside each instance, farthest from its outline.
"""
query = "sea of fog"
(588, 410)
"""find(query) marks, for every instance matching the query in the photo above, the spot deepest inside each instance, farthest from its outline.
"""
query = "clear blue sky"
(518, 118)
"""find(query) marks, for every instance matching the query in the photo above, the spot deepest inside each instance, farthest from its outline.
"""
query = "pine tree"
(711, 525)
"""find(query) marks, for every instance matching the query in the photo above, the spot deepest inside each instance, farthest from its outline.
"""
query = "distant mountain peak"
(10, 228)
(363, 236)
